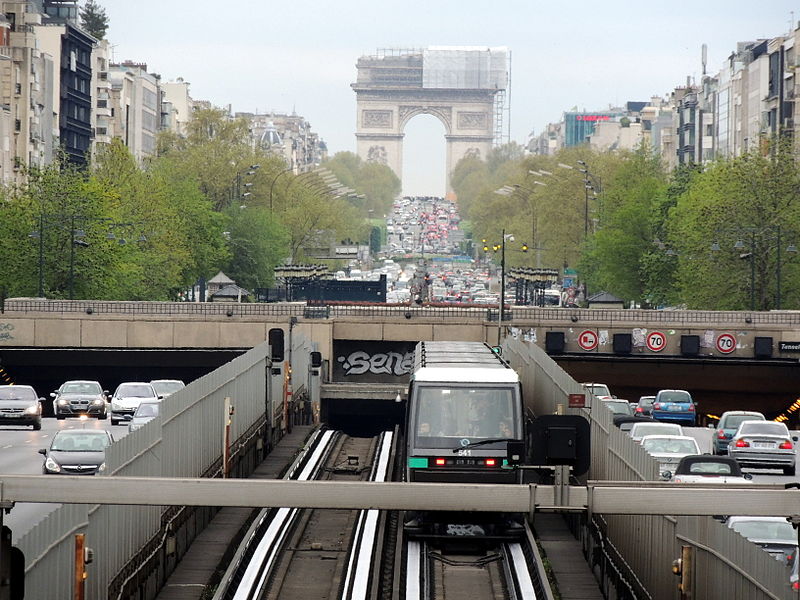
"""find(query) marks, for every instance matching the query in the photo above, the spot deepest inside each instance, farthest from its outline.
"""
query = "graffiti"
(6, 327)
(382, 363)
(5, 331)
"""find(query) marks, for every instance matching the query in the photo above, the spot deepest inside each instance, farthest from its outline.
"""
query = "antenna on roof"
(704, 54)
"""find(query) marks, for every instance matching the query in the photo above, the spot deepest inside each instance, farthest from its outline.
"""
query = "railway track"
(297, 553)
(508, 571)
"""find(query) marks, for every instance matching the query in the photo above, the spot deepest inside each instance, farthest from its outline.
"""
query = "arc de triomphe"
(459, 86)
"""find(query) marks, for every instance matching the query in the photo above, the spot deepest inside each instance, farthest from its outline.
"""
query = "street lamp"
(272, 185)
(593, 183)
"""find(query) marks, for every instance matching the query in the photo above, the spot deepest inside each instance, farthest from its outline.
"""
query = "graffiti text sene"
(382, 363)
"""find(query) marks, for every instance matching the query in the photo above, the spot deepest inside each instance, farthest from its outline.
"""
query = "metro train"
(465, 408)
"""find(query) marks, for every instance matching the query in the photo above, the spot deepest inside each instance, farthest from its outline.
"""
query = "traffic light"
(682, 567)
(485, 245)
(524, 247)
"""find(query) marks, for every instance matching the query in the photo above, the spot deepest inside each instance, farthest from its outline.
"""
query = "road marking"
(9, 446)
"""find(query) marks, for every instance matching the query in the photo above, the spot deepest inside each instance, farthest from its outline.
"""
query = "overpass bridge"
(636, 352)
(135, 543)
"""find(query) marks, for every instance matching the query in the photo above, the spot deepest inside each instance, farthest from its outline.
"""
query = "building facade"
(136, 100)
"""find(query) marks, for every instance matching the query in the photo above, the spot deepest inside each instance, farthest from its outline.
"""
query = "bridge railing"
(461, 312)
(727, 565)
(185, 440)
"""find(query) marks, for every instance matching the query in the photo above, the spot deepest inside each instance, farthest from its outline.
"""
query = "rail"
(434, 312)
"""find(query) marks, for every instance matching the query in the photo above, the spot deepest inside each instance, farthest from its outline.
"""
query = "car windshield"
(136, 391)
(709, 468)
(15, 392)
(733, 421)
(671, 446)
(646, 401)
(765, 530)
(80, 441)
(83, 387)
(674, 396)
(147, 410)
(166, 387)
(643, 429)
(598, 389)
(764, 428)
(445, 414)
(618, 407)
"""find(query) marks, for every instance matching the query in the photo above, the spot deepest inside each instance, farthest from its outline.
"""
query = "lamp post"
(272, 185)
(770, 235)
(590, 182)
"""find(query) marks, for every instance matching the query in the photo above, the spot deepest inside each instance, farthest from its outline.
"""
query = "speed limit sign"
(726, 343)
(656, 341)
(588, 340)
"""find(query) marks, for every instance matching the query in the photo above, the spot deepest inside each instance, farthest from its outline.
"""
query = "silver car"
(763, 444)
(128, 396)
(146, 412)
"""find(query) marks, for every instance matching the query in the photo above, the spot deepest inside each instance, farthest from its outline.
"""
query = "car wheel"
(788, 470)
(103, 417)
(61, 417)
(37, 426)
(114, 421)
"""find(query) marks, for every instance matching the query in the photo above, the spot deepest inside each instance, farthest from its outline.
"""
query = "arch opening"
(424, 156)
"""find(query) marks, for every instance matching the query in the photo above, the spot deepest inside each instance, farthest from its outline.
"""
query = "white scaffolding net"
(468, 67)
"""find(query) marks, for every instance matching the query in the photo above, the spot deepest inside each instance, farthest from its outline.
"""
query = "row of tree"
(721, 236)
(208, 201)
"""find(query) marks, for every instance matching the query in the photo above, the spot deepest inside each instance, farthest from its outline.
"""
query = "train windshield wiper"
(484, 442)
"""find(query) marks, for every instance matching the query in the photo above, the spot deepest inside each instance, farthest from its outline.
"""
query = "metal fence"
(186, 440)
(434, 312)
(726, 564)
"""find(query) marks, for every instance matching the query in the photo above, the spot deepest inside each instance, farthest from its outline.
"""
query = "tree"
(94, 19)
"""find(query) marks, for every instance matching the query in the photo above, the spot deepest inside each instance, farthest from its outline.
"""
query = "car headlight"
(99, 402)
(62, 402)
(102, 467)
(52, 465)
(32, 410)
(115, 405)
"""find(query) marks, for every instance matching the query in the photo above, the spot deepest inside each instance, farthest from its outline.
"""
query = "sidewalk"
(189, 579)
(572, 573)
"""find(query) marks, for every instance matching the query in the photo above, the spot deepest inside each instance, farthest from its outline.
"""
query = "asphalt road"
(19, 455)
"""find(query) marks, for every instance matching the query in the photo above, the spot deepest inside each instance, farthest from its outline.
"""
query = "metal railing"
(460, 312)
(727, 565)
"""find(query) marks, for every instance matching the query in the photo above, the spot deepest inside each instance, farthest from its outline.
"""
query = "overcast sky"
(300, 55)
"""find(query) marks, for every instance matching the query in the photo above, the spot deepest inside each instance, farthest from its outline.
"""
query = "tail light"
(639, 409)
(742, 444)
(691, 408)
(490, 462)
(440, 462)
(786, 446)
(795, 586)
(720, 434)
(657, 406)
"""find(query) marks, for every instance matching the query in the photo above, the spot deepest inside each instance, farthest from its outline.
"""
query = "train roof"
(447, 361)
(465, 374)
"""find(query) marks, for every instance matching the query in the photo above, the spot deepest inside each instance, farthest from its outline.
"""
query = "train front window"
(456, 413)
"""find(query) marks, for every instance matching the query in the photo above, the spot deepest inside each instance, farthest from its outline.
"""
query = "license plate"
(763, 444)
(675, 408)
(11, 415)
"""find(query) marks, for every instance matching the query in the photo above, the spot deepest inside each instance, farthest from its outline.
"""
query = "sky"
(300, 55)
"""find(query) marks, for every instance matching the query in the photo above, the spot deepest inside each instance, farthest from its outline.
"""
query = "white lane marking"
(413, 571)
(8, 446)
(523, 575)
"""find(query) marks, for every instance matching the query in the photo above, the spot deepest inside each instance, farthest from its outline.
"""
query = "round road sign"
(726, 343)
(588, 340)
(656, 341)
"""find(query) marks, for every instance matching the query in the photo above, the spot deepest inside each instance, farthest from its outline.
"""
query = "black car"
(76, 452)
(645, 406)
(20, 405)
(75, 398)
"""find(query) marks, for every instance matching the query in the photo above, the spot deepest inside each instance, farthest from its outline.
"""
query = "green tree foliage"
(258, 244)
(377, 183)
(754, 200)
(94, 19)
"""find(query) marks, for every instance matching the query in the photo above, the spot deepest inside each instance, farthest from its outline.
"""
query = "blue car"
(674, 405)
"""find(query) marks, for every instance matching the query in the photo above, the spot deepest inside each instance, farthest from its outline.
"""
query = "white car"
(167, 387)
(774, 534)
(668, 450)
(599, 390)
(707, 469)
(639, 430)
(128, 396)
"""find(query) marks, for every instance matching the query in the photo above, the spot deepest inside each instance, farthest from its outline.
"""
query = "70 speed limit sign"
(726, 343)
(656, 341)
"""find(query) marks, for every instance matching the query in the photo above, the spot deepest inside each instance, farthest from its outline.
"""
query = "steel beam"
(606, 497)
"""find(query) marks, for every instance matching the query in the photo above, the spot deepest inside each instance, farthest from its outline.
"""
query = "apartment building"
(102, 122)
(288, 136)
(178, 105)
(135, 107)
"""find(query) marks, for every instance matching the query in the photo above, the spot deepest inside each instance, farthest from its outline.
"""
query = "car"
(167, 387)
(705, 468)
(20, 405)
(147, 411)
(763, 444)
(599, 390)
(774, 534)
(645, 406)
(76, 452)
(127, 398)
(668, 450)
(626, 422)
(80, 397)
(674, 405)
(618, 407)
(639, 430)
(728, 424)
